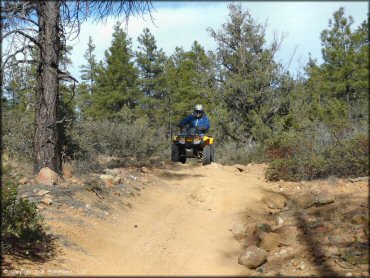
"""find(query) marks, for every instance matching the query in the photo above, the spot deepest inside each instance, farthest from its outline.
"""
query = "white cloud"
(181, 23)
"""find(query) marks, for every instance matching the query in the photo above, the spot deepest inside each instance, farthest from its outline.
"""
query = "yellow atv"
(192, 144)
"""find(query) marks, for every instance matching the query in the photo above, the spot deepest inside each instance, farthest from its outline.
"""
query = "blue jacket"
(202, 122)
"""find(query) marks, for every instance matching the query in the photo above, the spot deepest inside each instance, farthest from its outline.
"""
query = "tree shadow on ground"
(39, 252)
(344, 208)
(168, 175)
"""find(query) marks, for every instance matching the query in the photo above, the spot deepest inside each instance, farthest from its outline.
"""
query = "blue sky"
(181, 23)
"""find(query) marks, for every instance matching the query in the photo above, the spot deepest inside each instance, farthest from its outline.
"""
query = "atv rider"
(197, 120)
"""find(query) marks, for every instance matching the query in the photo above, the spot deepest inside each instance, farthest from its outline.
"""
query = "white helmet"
(198, 110)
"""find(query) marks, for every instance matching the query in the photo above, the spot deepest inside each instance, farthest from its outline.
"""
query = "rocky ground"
(284, 228)
(309, 228)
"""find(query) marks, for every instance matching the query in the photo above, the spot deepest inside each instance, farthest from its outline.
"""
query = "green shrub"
(230, 152)
(17, 131)
(22, 227)
(136, 139)
(318, 152)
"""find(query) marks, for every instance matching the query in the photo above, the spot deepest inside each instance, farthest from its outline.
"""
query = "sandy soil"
(179, 226)
(179, 223)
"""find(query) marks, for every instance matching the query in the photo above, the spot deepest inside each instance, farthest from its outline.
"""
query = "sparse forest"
(308, 126)
(313, 125)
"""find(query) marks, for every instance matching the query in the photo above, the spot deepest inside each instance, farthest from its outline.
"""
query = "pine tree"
(88, 71)
(116, 81)
(88, 76)
(337, 89)
(190, 76)
(253, 87)
(345, 68)
(151, 64)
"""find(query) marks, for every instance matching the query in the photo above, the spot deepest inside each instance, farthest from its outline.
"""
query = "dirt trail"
(180, 226)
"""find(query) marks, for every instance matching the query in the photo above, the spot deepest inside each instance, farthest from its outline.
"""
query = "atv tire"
(206, 155)
(182, 159)
(212, 153)
(175, 154)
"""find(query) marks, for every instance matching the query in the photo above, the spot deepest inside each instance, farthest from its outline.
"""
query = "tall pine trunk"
(46, 141)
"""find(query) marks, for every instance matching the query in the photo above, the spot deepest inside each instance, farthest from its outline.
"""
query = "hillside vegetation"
(311, 125)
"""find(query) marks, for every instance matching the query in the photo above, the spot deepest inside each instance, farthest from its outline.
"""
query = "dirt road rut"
(179, 226)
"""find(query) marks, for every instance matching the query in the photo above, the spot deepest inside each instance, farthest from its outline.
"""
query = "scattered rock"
(113, 172)
(288, 235)
(279, 221)
(250, 240)
(47, 199)
(261, 269)
(144, 170)
(110, 180)
(47, 176)
(305, 200)
(330, 251)
(264, 227)
(324, 198)
(241, 168)
(252, 257)
(283, 251)
(239, 231)
(42, 192)
(302, 266)
(274, 200)
(269, 241)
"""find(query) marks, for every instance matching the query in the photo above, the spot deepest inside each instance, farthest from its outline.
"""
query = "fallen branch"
(97, 193)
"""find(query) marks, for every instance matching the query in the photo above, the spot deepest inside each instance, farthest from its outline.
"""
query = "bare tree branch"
(32, 39)
(3, 66)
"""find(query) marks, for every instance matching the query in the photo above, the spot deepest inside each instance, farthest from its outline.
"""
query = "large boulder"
(46, 176)
(274, 200)
(252, 257)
